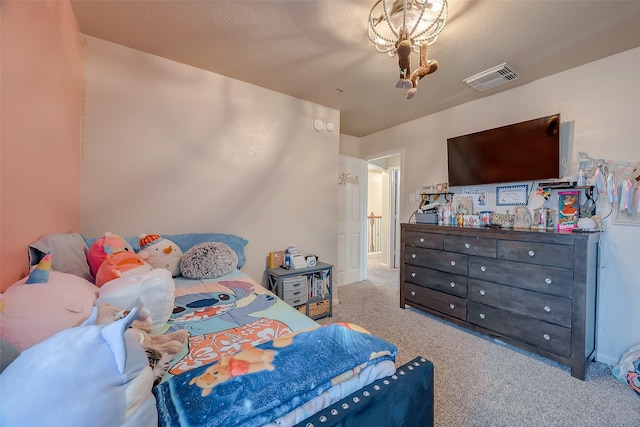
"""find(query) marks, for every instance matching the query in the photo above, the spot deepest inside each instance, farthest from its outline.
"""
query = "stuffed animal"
(426, 67)
(82, 376)
(108, 244)
(43, 304)
(248, 361)
(160, 349)
(404, 49)
(156, 286)
(120, 264)
(160, 253)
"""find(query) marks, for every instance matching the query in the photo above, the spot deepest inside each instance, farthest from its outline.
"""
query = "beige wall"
(41, 83)
(349, 146)
(599, 106)
(170, 148)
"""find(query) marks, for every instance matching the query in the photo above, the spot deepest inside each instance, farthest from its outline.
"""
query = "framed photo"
(512, 195)
(478, 196)
(463, 204)
(623, 217)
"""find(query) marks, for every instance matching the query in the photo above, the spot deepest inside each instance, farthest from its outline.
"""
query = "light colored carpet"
(479, 381)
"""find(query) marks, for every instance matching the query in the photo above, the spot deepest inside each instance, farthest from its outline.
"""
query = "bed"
(253, 360)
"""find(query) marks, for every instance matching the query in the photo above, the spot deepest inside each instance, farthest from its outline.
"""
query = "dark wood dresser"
(534, 289)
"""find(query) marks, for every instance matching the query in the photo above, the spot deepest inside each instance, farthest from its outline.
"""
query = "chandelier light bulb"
(418, 20)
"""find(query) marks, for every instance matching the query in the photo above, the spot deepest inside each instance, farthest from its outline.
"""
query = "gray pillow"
(68, 251)
(208, 261)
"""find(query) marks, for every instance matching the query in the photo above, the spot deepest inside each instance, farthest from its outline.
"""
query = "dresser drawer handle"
(467, 245)
(413, 256)
(453, 263)
(546, 337)
(453, 284)
(547, 281)
(422, 240)
(547, 308)
(482, 292)
(483, 268)
(482, 315)
(531, 253)
(452, 306)
(413, 293)
(413, 274)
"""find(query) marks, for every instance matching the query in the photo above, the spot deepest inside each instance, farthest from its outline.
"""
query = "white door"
(351, 221)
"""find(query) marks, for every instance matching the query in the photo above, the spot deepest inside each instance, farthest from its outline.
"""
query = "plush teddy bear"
(248, 361)
(426, 67)
(160, 349)
(160, 253)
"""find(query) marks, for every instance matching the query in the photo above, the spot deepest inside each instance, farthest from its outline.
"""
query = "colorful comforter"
(260, 384)
(252, 359)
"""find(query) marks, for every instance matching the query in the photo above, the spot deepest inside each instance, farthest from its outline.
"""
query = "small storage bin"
(319, 308)
(302, 309)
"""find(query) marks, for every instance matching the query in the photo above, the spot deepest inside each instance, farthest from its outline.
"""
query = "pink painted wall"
(40, 138)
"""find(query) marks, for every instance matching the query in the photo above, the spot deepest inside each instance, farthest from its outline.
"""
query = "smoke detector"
(492, 77)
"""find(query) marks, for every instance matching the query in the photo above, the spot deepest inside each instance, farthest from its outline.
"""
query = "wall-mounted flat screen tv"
(527, 151)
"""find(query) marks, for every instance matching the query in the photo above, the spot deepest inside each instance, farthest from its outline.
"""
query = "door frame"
(391, 233)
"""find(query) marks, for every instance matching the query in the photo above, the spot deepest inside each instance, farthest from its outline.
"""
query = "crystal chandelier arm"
(380, 38)
(415, 25)
(381, 43)
(441, 21)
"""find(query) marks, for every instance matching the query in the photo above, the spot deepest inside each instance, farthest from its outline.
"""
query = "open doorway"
(382, 225)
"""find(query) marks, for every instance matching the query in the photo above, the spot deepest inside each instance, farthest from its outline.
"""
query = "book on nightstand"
(276, 259)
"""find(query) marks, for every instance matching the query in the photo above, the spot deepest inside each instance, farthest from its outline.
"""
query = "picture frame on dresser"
(512, 195)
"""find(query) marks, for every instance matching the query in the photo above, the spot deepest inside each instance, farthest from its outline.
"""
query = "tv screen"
(527, 151)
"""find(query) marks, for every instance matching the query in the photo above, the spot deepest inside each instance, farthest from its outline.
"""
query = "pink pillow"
(33, 312)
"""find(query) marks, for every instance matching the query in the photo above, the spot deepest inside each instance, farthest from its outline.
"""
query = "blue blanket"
(262, 383)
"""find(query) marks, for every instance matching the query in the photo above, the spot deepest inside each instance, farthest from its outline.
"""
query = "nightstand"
(307, 289)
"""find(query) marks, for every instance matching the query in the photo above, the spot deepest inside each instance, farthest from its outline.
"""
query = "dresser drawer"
(294, 283)
(471, 245)
(536, 253)
(423, 240)
(438, 260)
(540, 306)
(438, 301)
(546, 336)
(550, 280)
(438, 280)
(295, 294)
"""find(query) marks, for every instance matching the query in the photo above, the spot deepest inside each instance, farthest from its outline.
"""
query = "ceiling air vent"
(492, 77)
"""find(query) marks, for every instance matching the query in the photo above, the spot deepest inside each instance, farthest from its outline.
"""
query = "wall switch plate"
(412, 198)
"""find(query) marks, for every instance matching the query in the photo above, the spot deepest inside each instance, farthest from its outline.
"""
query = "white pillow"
(156, 287)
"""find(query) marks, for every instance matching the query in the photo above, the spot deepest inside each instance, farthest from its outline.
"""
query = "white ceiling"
(310, 48)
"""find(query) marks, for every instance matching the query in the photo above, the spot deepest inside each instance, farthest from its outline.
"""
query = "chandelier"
(402, 27)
